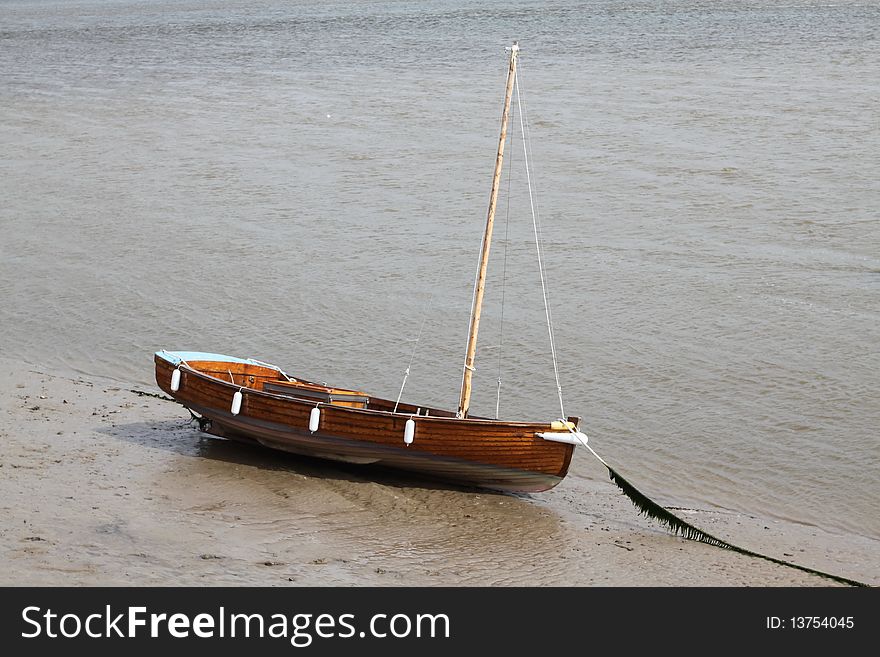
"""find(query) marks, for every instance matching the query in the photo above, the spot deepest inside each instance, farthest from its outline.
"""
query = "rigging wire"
(418, 338)
(504, 274)
(538, 240)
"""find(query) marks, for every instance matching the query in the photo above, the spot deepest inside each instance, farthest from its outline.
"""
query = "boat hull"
(507, 456)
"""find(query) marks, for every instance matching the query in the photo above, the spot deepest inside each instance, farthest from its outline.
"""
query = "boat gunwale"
(469, 421)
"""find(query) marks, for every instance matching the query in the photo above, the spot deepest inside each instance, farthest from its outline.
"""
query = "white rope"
(416, 344)
(528, 144)
(538, 245)
(270, 366)
(181, 361)
(583, 441)
(402, 385)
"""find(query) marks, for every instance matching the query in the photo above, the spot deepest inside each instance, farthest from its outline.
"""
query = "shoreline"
(104, 486)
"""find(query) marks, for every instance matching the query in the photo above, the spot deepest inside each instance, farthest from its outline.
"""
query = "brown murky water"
(296, 181)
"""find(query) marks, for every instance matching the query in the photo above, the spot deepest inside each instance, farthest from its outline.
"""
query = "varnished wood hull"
(508, 456)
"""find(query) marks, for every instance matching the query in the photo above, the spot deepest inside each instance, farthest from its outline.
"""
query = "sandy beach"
(101, 485)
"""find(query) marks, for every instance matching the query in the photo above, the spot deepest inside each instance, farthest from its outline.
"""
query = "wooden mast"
(465, 399)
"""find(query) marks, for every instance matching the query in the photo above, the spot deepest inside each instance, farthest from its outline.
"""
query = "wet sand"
(102, 486)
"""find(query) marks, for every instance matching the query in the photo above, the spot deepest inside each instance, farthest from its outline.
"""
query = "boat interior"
(268, 379)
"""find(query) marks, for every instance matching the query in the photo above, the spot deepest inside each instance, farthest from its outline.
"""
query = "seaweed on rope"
(676, 525)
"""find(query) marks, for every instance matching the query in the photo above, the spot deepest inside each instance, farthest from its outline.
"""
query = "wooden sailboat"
(252, 401)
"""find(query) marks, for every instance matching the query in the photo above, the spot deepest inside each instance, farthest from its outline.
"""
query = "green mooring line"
(678, 526)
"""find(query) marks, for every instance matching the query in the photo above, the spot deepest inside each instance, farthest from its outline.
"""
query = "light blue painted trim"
(176, 357)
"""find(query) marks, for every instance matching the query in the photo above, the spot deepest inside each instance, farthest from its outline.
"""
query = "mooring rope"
(676, 525)
(641, 501)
